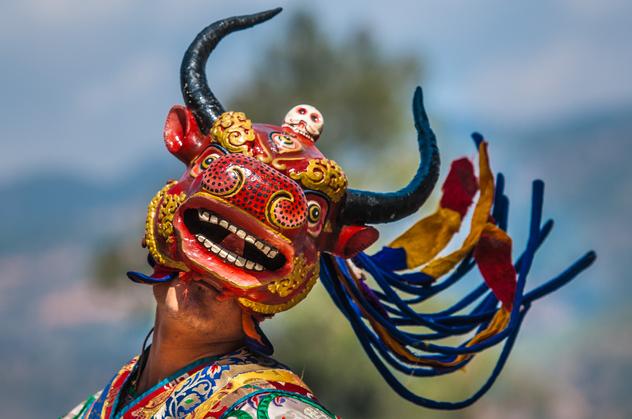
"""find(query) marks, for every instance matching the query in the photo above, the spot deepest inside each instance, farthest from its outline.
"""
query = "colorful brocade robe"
(238, 385)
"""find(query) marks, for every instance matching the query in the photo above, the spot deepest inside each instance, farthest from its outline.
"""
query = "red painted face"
(251, 214)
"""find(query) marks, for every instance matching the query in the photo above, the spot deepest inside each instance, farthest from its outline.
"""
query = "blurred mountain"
(585, 163)
(56, 208)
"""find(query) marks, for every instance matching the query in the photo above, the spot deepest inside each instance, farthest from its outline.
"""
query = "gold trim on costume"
(242, 380)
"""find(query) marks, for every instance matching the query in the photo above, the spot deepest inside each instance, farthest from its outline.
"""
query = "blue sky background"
(86, 84)
(84, 90)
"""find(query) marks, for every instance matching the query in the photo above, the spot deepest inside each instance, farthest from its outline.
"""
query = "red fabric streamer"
(493, 256)
(459, 187)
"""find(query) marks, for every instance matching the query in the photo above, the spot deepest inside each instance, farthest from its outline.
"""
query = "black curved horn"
(195, 90)
(363, 207)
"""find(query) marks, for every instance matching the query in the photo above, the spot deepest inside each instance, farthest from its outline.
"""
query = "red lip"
(205, 261)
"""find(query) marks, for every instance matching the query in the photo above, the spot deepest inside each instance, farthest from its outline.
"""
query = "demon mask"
(258, 203)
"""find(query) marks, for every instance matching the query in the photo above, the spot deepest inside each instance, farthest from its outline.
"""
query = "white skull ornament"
(305, 120)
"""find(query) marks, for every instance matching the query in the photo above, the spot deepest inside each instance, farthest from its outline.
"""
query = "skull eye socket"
(315, 117)
(313, 212)
(302, 111)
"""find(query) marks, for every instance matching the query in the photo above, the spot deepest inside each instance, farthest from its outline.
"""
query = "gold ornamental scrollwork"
(233, 130)
(168, 207)
(301, 278)
(323, 175)
(301, 272)
(150, 239)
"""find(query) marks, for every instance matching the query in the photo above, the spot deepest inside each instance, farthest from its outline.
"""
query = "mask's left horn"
(195, 90)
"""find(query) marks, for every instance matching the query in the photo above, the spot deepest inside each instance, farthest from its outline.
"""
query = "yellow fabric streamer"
(428, 236)
(497, 325)
(439, 267)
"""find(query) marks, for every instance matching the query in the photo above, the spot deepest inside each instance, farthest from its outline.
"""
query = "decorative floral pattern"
(210, 388)
(277, 404)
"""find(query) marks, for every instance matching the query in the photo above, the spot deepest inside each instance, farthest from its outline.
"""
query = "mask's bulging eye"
(302, 111)
(313, 212)
(204, 161)
(208, 160)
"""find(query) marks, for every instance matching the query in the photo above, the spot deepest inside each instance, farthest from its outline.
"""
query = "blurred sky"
(86, 84)
(85, 87)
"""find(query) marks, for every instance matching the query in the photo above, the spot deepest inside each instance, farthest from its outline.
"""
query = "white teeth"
(227, 255)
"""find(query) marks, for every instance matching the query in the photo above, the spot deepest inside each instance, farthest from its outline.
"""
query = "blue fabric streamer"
(398, 312)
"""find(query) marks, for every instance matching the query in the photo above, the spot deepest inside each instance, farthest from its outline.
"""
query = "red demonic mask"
(253, 210)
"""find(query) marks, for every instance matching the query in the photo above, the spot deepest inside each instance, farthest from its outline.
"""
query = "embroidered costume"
(261, 214)
(238, 385)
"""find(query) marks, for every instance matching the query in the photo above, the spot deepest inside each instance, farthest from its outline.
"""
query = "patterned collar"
(179, 393)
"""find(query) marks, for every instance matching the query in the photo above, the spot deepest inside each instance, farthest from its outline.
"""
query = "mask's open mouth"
(231, 243)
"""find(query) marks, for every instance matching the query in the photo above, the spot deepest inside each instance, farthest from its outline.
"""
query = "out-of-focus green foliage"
(114, 258)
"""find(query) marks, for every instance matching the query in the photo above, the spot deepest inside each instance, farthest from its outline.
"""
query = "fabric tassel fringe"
(409, 271)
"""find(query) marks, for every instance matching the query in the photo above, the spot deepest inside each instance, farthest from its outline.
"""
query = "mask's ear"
(354, 239)
(183, 137)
